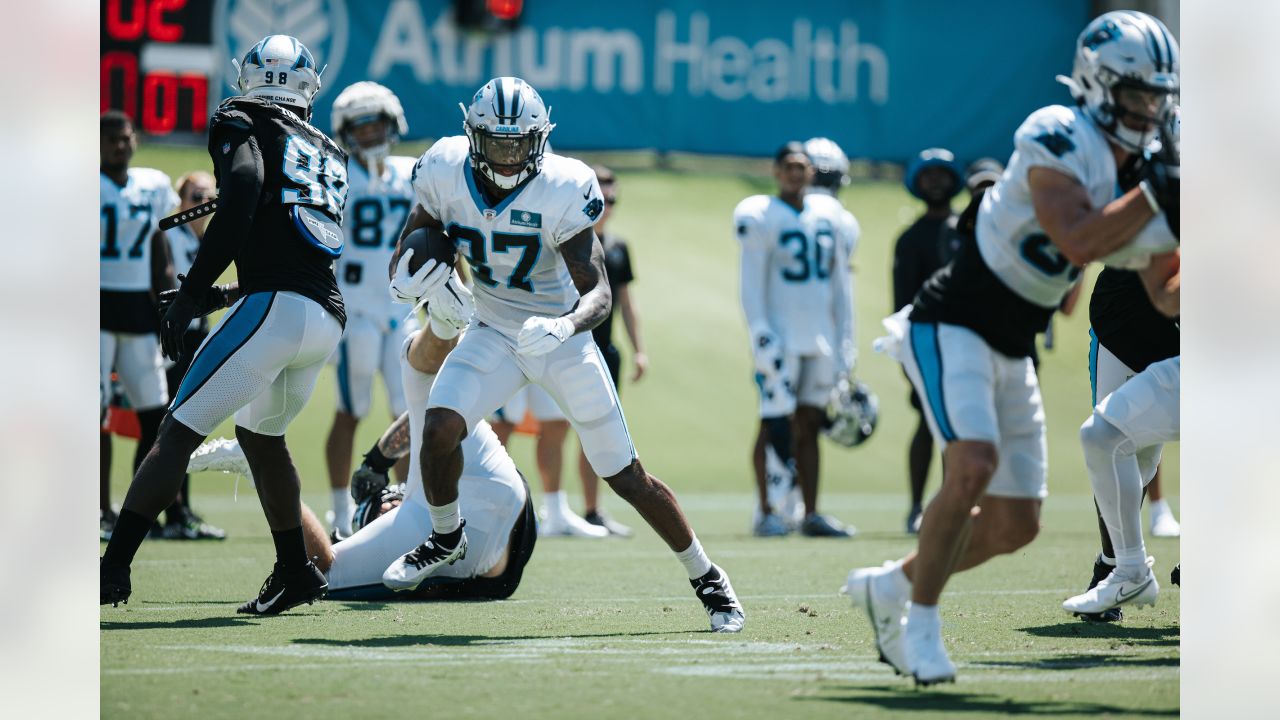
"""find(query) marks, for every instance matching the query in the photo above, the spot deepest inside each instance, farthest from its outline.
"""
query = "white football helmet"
(507, 126)
(279, 69)
(1130, 54)
(364, 102)
(852, 414)
(830, 164)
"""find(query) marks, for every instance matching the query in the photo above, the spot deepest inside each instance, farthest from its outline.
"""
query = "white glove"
(766, 350)
(450, 309)
(409, 289)
(539, 335)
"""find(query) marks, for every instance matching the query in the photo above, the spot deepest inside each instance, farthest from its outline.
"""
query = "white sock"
(445, 518)
(1107, 560)
(923, 616)
(1111, 459)
(1160, 506)
(695, 561)
(341, 509)
(557, 504)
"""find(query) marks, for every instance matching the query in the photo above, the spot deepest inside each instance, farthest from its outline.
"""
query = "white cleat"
(410, 569)
(568, 524)
(1163, 523)
(927, 655)
(872, 590)
(1116, 590)
(219, 455)
(720, 601)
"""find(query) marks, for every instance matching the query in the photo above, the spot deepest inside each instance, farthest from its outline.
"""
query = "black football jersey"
(302, 168)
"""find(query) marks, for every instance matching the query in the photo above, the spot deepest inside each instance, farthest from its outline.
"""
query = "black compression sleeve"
(241, 177)
(904, 273)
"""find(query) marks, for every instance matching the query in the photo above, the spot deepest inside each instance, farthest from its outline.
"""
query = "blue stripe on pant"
(928, 357)
(344, 382)
(229, 337)
(1093, 366)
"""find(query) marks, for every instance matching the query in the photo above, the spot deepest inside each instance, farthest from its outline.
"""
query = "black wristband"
(377, 461)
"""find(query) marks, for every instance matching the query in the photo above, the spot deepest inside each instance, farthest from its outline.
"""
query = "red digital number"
(121, 29)
(125, 64)
(157, 28)
(159, 103)
(199, 87)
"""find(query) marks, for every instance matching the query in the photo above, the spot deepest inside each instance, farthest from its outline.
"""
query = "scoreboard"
(157, 63)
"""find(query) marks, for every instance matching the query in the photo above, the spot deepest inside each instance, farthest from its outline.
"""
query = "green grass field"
(610, 628)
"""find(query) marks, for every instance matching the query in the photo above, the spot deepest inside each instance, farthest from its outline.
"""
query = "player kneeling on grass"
(389, 521)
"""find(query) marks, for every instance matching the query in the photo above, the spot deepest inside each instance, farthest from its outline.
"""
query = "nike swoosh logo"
(1121, 596)
(263, 608)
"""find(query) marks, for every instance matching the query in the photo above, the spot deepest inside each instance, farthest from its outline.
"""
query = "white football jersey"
(183, 245)
(375, 214)
(513, 247)
(1010, 238)
(129, 217)
(806, 259)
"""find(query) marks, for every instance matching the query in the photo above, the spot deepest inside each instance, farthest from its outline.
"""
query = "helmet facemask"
(506, 159)
(370, 137)
(1138, 111)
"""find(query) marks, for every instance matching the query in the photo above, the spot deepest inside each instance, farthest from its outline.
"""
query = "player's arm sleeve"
(238, 165)
(754, 273)
(905, 273)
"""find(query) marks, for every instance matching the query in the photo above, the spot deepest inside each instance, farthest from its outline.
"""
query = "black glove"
(215, 298)
(1165, 180)
(174, 323)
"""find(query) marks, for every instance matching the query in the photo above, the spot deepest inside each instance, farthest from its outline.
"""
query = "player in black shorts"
(282, 189)
(617, 266)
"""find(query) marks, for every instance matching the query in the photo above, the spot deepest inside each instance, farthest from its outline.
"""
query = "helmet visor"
(507, 154)
(1143, 105)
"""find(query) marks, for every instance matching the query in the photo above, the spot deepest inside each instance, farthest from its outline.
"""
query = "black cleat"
(113, 584)
(190, 526)
(367, 482)
(1175, 577)
(601, 518)
(284, 589)
(1100, 571)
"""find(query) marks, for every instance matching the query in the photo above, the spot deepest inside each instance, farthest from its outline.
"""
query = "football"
(429, 242)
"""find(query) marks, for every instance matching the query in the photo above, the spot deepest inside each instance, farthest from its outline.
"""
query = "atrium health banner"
(884, 78)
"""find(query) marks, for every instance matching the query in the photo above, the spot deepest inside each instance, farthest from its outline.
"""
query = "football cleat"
(819, 525)
(284, 589)
(1100, 571)
(219, 455)
(927, 656)
(1115, 590)
(1175, 576)
(721, 602)
(113, 584)
(1163, 523)
(768, 525)
(913, 520)
(602, 519)
(872, 590)
(190, 526)
(409, 570)
(568, 524)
